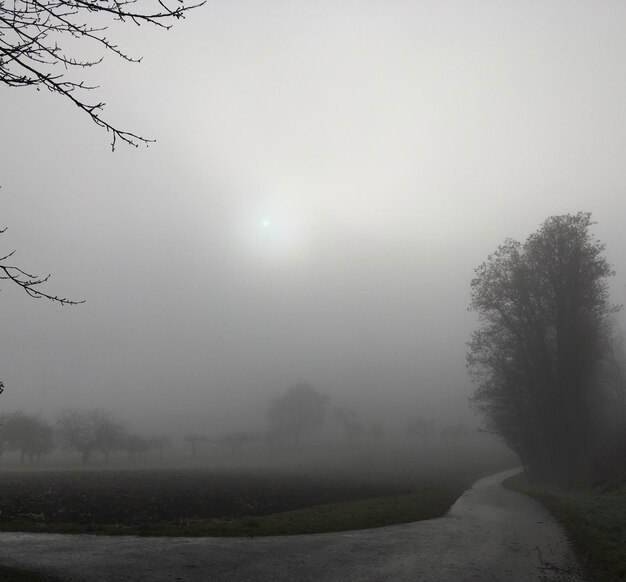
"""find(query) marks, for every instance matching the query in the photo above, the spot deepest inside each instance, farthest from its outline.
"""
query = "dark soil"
(133, 497)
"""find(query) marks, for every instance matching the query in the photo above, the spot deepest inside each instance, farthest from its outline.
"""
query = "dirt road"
(490, 534)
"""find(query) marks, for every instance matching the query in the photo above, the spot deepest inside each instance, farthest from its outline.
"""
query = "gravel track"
(490, 534)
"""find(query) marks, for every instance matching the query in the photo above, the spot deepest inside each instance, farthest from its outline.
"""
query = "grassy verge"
(427, 503)
(595, 521)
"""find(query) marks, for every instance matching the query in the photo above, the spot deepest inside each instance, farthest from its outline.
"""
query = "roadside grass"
(426, 503)
(595, 520)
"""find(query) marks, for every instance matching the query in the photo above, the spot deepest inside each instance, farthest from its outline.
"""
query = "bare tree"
(86, 431)
(5, 432)
(39, 40)
(193, 438)
(300, 409)
(110, 433)
(29, 435)
(136, 445)
(161, 443)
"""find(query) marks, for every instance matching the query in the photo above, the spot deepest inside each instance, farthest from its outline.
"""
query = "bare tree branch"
(29, 283)
(37, 38)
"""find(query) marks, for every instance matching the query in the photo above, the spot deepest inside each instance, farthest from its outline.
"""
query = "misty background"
(326, 178)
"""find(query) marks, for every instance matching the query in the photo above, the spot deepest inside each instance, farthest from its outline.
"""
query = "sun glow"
(274, 232)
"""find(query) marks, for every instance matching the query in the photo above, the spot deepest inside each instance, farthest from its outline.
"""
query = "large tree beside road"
(544, 314)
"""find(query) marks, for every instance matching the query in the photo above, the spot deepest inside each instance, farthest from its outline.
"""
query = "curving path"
(489, 534)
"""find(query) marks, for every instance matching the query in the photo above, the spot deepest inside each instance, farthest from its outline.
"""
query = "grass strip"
(427, 503)
(595, 522)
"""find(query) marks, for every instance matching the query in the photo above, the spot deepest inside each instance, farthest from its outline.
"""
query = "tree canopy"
(300, 409)
(544, 314)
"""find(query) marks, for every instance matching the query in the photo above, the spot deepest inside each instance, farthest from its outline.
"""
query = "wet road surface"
(490, 534)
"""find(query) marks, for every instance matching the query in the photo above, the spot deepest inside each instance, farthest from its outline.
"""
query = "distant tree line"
(549, 369)
(293, 415)
(29, 435)
(84, 431)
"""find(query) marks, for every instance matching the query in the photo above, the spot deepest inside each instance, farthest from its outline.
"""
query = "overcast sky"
(327, 176)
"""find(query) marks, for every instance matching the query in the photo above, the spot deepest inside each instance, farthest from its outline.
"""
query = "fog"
(326, 178)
